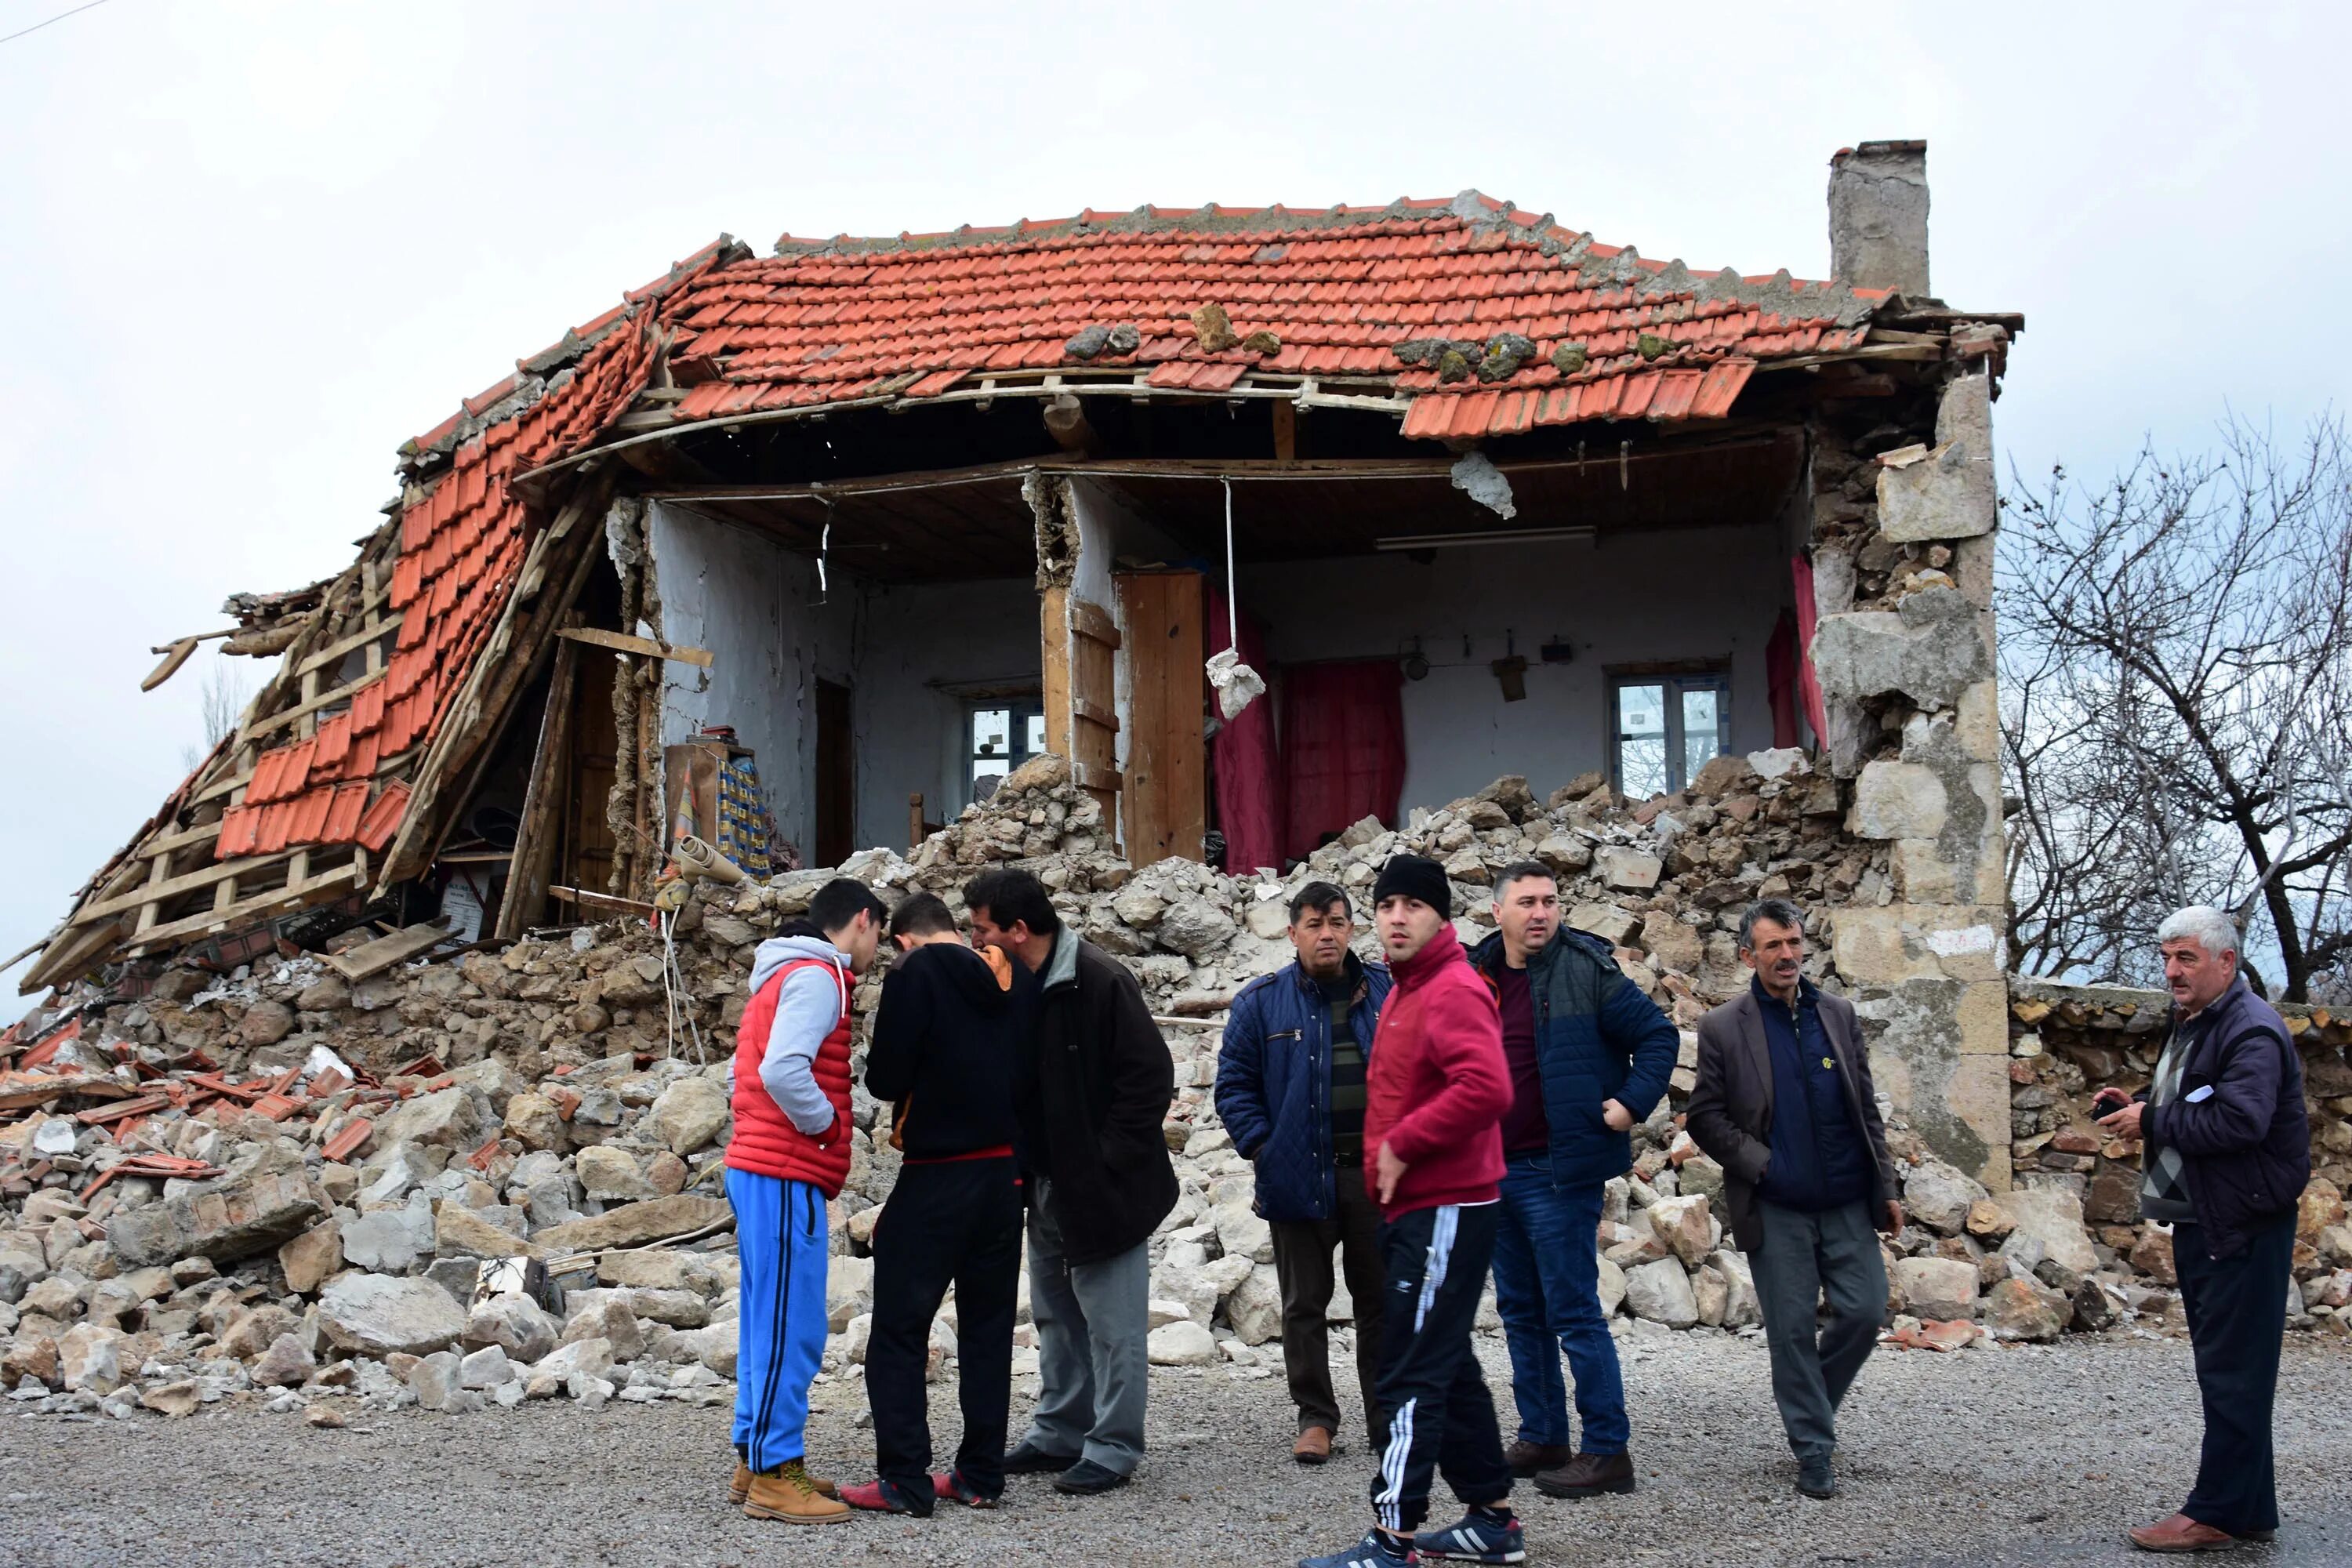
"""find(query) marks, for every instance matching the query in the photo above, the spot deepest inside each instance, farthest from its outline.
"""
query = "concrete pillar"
(1878, 216)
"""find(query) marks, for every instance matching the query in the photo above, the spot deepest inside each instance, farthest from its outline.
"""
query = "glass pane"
(1643, 765)
(992, 733)
(1702, 732)
(985, 776)
(1642, 740)
(1036, 734)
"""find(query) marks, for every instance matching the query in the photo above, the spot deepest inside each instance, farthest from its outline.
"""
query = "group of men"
(1427, 1117)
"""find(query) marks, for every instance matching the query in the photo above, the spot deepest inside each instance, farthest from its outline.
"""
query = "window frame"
(1022, 706)
(1674, 681)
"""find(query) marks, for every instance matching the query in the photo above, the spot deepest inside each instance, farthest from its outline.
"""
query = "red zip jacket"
(1438, 1085)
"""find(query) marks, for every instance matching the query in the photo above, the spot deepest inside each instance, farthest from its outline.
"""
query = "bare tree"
(2176, 665)
(222, 703)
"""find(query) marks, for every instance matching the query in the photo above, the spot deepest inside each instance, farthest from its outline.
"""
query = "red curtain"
(1809, 684)
(1248, 772)
(1343, 746)
(1780, 676)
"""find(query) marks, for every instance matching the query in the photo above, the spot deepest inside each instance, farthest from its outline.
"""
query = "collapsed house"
(803, 554)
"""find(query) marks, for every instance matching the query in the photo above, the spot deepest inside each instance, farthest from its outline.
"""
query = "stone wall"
(1903, 514)
(2068, 1042)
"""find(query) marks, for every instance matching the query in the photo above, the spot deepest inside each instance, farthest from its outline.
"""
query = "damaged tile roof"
(1491, 320)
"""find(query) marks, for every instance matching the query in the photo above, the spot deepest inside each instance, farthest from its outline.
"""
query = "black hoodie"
(945, 1036)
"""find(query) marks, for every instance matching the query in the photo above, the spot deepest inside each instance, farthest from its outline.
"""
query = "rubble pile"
(280, 1183)
(2068, 1042)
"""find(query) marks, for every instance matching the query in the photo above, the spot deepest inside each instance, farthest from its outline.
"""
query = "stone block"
(225, 1220)
(376, 1315)
(1931, 650)
(1889, 945)
(1181, 1344)
(690, 1114)
(1626, 869)
(311, 1257)
(1898, 800)
(1949, 491)
(631, 1224)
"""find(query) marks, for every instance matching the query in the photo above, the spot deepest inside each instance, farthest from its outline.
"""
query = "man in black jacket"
(2226, 1147)
(945, 1038)
(1785, 1104)
(1091, 1096)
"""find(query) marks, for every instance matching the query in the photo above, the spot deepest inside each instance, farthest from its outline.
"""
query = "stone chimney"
(1878, 216)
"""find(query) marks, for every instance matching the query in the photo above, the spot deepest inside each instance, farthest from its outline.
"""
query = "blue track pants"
(780, 1233)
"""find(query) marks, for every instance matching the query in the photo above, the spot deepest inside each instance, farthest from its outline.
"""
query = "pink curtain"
(1247, 770)
(1780, 677)
(1809, 684)
(1343, 745)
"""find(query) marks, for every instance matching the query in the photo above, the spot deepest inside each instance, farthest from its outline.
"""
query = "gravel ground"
(2016, 1456)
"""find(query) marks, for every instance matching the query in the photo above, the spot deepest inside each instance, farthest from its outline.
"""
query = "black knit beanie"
(1416, 878)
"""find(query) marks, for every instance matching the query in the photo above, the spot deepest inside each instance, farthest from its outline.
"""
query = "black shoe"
(1085, 1479)
(1028, 1459)
(1814, 1479)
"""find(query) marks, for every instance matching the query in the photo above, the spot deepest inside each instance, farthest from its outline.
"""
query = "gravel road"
(2013, 1456)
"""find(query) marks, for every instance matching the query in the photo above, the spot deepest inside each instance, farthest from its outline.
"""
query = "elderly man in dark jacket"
(2226, 1148)
(1091, 1091)
(1785, 1104)
(1589, 1057)
(1290, 1089)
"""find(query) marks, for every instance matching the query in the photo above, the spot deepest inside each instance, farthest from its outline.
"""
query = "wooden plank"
(1096, 713)
(1103, 781)
(1091, 621)
(336, 652)
(276, 900)
(254, 729)
(1164, 791)
(1054, 648)
(593, 901)
(69, 956)
(187, 839)
(643, 646)
(531, 866)
(173, 887)
(372, 959)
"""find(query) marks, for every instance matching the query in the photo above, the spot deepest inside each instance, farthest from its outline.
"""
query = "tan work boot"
(1314, 1446)
(788, 1492)
(739, 1487)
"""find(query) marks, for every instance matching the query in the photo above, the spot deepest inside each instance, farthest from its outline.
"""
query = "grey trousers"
(1093, 1356)
(1302, 1266)
(1805, 1258)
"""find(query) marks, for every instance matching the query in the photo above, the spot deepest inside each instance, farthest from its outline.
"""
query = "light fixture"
(1580, 533)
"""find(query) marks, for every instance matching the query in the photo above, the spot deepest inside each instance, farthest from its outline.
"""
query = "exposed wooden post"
(532, 868)
(914, 821)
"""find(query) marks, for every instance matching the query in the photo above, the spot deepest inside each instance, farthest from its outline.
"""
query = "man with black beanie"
(942, 1051)
(1435, 1096)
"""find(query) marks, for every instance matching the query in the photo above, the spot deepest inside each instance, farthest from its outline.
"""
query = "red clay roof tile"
(382, 819)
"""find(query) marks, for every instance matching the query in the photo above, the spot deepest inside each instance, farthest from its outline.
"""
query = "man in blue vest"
(1290, 1090)
(1590, 1055)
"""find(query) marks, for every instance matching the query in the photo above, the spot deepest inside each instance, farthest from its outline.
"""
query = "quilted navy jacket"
(1273, 1083)
(1597, 1037)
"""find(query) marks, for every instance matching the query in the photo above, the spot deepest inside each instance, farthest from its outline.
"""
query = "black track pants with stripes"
(1440, 1415)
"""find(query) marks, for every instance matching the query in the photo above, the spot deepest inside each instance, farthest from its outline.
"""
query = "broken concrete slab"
(225, 1221)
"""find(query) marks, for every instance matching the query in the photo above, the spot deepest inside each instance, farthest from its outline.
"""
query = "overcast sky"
(249, 248)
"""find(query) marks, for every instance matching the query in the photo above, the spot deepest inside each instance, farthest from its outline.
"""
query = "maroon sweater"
(1438, 1086)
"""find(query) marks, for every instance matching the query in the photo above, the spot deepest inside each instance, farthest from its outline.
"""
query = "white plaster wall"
(754, 605)
(1689, 594)
(1108, 531)
(918, 644)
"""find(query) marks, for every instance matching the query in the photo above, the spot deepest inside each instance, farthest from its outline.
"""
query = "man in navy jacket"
(1290, 1090)
(2226, 1148)
(1590, 1055)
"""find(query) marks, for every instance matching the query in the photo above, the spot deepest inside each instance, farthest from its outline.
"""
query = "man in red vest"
(788, 1157)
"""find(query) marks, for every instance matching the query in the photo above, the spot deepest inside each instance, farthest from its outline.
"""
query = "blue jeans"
(1548, 1289)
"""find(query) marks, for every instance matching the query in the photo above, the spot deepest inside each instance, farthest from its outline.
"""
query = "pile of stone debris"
(308, 1203)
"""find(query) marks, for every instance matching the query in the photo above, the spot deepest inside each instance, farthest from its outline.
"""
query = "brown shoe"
(1314, 1446)
(739, 1487)
(1526, 1458)
(1588, 1475)
(788, 1492)
(2180, 1534)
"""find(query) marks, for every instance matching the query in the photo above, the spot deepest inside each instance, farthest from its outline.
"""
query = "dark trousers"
(2236, 1312)
(958, 1222)
(1548, 1291)
(1805, 1259)
(1302, 1265)
(1440, 1416)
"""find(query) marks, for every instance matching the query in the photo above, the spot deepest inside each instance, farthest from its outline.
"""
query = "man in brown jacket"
(1784, 1103)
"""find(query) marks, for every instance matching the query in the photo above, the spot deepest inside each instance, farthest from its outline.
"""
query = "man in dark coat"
(2226, 1148)
(1785, 1104)
(1290, 1089)
(1589, 1057)
(1091, 1093)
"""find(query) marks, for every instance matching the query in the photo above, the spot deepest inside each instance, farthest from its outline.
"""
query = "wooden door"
(1080, 643)
(1166, 776)
(587, 856)
(837, 776)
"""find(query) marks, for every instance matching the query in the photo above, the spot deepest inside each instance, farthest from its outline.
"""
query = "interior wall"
(922, 647)
(1111, 530)
(755, 606)
(1690, 594)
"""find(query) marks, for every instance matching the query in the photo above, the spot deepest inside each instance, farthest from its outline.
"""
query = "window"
(1003, 733)
(1667, 727)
